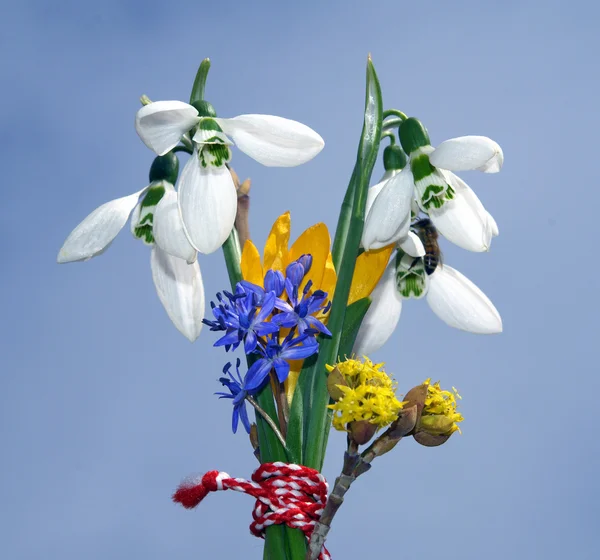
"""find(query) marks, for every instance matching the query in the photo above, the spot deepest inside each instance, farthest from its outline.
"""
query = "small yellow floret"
(369, 395)
(439, 413)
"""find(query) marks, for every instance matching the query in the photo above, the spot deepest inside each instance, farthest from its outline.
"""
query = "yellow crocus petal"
(275, 255)
(329, 278)
(369, 269)
(292, 379)
(251, 267)
(315, 240)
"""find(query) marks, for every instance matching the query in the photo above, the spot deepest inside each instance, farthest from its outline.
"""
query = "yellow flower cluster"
(367, 395)
(439, 415)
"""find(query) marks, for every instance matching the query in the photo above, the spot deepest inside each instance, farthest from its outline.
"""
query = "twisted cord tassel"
(285, 493)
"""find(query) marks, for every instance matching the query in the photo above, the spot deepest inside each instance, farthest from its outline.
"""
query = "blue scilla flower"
(238, 393)
(275, 356)
(243, 317)
(298, 311)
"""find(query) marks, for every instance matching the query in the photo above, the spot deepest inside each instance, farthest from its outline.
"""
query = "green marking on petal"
(153, 196)
(437, 200)
(411, 278)
(209, 124)
(421, 167)
(142, 228)
(214, 155)
(144, 233)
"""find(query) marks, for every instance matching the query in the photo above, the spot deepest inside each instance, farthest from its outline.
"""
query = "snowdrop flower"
(452, 206)
(178, 283)
(450, 295)
(207, 196)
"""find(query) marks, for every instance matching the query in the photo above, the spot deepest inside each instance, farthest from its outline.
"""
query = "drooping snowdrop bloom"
(451, 295)
(452, 206)
(207, 196)
(177, 282)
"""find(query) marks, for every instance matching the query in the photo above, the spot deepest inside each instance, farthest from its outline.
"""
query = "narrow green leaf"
(345, 250)
(355, 314)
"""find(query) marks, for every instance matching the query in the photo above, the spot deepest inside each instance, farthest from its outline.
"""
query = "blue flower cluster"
(275, 324)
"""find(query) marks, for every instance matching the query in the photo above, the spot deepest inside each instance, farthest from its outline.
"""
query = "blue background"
(104, 406)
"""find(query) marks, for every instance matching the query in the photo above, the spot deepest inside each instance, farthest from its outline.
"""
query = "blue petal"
(283, 305)
(306, 262)
(282, 369)
(244, 417)
(316, 324)
(274, 282)
(267, 307)
(257, 374)
(299, 352)
(234, 420)
(294, 273)
(250, 342)
(286, 320)
(263, 329)
(229, 338)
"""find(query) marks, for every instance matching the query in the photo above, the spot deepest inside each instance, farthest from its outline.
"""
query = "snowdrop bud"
(394, 158)
(165, 168)
(204, 108)
(413, 135)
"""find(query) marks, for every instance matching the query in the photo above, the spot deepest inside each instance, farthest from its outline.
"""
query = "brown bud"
(362, 431)
(335, 378)
(405, 423)
(416, 396)
(254, 436)
(430, 440)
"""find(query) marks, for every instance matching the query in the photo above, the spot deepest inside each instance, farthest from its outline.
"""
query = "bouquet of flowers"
(305, 316)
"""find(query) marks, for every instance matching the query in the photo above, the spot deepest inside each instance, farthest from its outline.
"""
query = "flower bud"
(394, 158)
(361, 431)
(413, 135)
(334, 379)
(165, 168)
(438, 418)
(204, 108)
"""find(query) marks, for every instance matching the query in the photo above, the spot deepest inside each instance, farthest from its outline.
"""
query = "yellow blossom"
(368, 395)
(316, 241)
(440, 416)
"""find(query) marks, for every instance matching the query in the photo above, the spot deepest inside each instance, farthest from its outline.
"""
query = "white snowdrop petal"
(374, 191)
(412, 245)
(388, 219)
(468, 152)
(180, 290)
(463, 220)
(460, 303)
(97, 231)
(383, 314)
(273, 141)
(207, 203)
(493, 225)
(168, 230)
(161, 124)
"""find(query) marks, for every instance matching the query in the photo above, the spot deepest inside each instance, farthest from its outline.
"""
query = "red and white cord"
(285, 493)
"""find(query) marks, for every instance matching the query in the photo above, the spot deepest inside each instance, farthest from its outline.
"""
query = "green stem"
(395, 113)
(345, 250)
(182, 149)
(200, 81)
(392, 123)
(389, 134)
(281, 542)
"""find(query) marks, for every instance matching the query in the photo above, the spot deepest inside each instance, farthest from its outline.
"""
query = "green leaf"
(313, 380)
(355, 314)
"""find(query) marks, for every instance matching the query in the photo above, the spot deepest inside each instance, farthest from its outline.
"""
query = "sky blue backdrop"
(104, 406)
